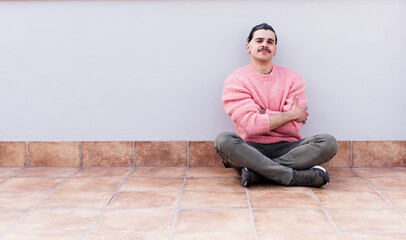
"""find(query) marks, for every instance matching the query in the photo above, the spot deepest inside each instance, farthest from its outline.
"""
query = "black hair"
(264, 26)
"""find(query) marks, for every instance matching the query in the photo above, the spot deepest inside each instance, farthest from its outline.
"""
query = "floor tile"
(381, 236)
(345, 184)
(136, 220)
(77, 200)
(283, 200)
(381, 172)
(8, 217)
(43, 236)
(379, 153)
(213, 184)
(343, 156)
(213, 220)
(127, 236)
(151, 184)
(13, 154)
(291, 220)
(214, 200)
(352, 200)
(58, 220)
(47, 172)
(23, 200)
(341, 172)
(91, 184)
(295, 236)
(389, 184)
(6, 172)
(31, 184)
(160, 154)
(107, 153)
(94, 172)
(355, 220)
(397, 198)
(213, 236)
(202, 154)
(51, 154)
(164, 172)
(211, 172)
(145, 200)
(213, 204)
(272, 187)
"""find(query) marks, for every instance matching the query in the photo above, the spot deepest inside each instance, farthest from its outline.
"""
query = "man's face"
(262, 45)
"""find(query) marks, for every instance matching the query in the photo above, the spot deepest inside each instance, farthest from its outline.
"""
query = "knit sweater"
(247, 91)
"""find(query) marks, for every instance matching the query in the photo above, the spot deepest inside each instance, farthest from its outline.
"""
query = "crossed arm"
(247, 114)
(296, 113)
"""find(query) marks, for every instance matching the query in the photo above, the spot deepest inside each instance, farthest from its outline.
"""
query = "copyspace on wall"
(154, 70)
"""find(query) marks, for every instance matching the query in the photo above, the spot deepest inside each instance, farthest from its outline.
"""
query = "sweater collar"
(260, 75)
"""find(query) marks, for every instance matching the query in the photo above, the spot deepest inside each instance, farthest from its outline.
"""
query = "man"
(267, 105)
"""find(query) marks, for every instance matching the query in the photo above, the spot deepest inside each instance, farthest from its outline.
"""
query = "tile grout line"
(351, 154)
(375, 232)
(251, 214)
(181, 192)
(133, 154)
(178, 206)
(13, 175)
(80, 154)
(26, 153)
(107, 205)
(36, 205)
(328, 216)
(380, 194)
(187, 155)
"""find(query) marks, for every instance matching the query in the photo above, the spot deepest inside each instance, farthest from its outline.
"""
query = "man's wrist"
(290, 116)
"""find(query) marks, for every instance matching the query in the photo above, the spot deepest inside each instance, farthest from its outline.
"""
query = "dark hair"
(264, 26)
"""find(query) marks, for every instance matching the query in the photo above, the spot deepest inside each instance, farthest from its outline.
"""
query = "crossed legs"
(275, 161)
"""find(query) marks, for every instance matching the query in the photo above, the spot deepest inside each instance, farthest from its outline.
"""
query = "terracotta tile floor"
(197, 203)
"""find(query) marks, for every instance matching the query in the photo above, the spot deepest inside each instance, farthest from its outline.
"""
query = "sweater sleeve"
(296, 89)
(244, 111)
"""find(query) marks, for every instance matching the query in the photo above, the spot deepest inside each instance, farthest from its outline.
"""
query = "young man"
(267, 105)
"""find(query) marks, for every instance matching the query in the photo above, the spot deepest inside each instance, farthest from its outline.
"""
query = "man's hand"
(298, 113)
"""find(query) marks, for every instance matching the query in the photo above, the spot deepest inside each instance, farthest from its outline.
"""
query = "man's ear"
(247, 48)
(275, 51)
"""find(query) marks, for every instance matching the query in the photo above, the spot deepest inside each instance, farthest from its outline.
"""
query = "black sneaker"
(314, 177)
(246, 177)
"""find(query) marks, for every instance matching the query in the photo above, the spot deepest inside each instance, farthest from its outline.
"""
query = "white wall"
(154, 70)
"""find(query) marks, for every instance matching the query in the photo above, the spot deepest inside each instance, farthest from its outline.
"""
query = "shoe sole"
(244, 184)
(324, 170)
(320, 167)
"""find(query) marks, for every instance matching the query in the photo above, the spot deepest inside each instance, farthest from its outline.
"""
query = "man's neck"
(262, 67)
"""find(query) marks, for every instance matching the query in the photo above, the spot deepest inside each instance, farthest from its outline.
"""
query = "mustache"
(264, 49)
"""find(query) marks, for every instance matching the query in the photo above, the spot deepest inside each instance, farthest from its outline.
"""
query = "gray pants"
(275, 161)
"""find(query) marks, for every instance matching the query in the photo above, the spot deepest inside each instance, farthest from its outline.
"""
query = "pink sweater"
(246, 92)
